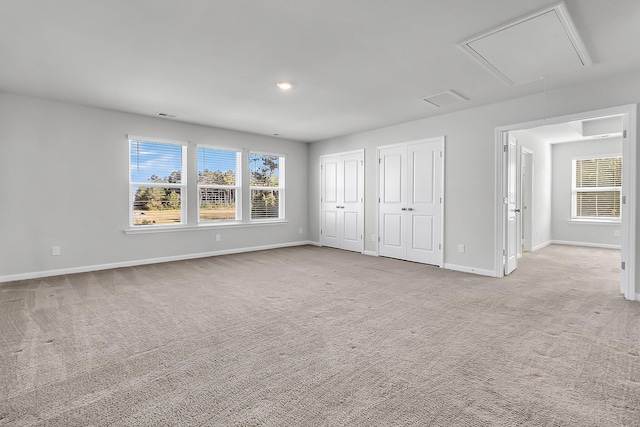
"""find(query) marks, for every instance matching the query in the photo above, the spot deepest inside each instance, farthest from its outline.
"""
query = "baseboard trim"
(370, 253)
(465, 269)
(314, 243)
(589, 245)
(98, 267)
(541, 245)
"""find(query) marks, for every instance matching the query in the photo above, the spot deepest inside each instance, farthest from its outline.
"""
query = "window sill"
(595, 221)
(200, 227)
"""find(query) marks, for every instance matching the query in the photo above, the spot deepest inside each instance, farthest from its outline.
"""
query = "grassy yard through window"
(172, 216)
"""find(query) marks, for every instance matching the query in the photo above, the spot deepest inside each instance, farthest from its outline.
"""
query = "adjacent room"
(276, 213)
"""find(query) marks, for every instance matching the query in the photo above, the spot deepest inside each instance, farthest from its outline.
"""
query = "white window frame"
(575, 190)
(237, 187)
(182, 185)
(280, 188)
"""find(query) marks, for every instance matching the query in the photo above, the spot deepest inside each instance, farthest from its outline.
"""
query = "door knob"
(410, 209)
(404, 209)
(516, 210)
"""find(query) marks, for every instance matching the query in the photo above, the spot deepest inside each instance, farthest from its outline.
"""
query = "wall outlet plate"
(55, 250)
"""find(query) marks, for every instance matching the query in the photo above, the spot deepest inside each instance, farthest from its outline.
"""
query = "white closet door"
(342, 201)
(330, 228)
(352, 184)
(423, 204)
(392, 209)
(410, 205)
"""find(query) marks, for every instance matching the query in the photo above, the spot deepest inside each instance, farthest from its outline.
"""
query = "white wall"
(541, 233)
(470, 160)
(64, 170)
(563, 229)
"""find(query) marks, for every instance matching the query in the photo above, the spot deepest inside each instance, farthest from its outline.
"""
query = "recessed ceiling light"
(285, 85)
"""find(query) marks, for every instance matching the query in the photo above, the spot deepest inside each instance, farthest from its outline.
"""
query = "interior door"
(342, 201)
(527, 200)
(410, 206)
(511, 235)
(392, 222)
(330, 228)
(423, 202)
(352, 201)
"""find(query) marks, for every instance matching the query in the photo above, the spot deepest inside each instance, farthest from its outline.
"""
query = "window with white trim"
(596, 189)
(266, 184)
(219, 186)
(157, 182)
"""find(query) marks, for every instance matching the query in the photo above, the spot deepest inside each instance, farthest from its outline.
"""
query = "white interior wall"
(563, 229)
(469, 163)
(542, 188)
(44, 146)
(64, 170)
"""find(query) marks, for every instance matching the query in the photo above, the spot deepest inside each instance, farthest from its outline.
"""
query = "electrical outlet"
(616, 233)
(300, 230)
(55, 250)
(461, 248)
(218, 238)
(373, 237)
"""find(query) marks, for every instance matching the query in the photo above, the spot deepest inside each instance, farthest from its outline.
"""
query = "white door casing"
(410, 203)
(342, 201)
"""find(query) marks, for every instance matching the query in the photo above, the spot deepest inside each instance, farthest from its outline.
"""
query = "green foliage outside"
(264, 173)
(153, 205)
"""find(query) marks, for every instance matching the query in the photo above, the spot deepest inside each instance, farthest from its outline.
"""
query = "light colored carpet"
(313, 336)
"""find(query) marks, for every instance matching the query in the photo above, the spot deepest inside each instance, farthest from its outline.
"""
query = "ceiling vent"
(445, 99)
(542, 44)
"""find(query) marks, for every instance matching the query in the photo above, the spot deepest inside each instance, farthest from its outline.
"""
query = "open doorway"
(540, 202)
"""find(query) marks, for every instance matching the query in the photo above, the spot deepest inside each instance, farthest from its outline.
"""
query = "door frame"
(441, 139)
(628, 221)
(362, 221)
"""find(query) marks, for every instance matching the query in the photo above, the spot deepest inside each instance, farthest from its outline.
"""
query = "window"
(156, 182)
(266, 181)
(597, 184)
(219, 185)
(220, 191)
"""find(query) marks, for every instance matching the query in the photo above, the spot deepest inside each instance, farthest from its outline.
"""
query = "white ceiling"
(356, 64)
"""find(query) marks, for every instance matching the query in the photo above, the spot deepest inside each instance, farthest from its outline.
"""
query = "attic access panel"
(445, 99)
(541, 44)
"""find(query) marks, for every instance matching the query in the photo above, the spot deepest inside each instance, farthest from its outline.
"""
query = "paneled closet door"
(342, 201)
(410, 204)
(392, 206)
(423, 203)
(352, 185)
